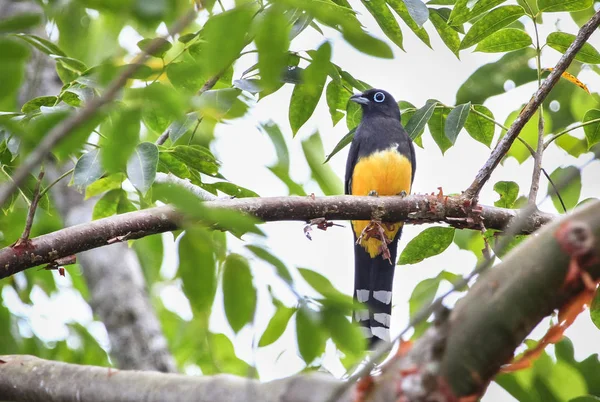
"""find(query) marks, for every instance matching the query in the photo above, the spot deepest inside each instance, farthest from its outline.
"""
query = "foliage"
(191, 84)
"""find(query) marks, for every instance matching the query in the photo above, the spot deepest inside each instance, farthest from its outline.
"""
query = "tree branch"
(84, 114)
(414, 209)
(528, 111)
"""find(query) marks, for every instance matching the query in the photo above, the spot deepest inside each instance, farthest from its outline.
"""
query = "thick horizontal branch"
(529, 110)
(415, 209)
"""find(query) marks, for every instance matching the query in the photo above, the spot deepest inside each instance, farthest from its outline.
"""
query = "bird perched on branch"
(381, 162)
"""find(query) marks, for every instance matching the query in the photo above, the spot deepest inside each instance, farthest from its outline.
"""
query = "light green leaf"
(561, 41)
(196, 157)
(508, 191)
(385, 19)
(323, 174)
(430, 242)
(239, 294)
(277, 325)
(306, 95)
(107, 205)
(572, 145)
(20, 22)
(462, 13)
(179, 127)
(88, 169)
(272, 42)
(345, 141)
(529, 134)
(41, 44)
(504, 40)
(367, 44)
(437, 127)
(309, 335)
(551, 6)
(595, 309)
(121, 134)
(413, 16)
(416, 124)
(587, 398)
(280, 267)
(490, 23)
(571, 192)
(480, 128)
(337, 99)
(141, 167)
(456, 121)
(107, 183)
(348, 337)
(197, 269)
(417, 10)
(592, 130)
(322, 285)
(35, 103)
(449, 36)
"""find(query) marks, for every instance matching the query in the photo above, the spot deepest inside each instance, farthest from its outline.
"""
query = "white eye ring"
(379, 97)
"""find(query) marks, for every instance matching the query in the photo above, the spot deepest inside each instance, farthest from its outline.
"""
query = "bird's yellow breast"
(388, 173)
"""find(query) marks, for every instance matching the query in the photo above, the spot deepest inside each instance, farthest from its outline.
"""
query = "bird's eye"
(379, 97)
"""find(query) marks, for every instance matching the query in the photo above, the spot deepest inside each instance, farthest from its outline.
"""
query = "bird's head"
(377, 102)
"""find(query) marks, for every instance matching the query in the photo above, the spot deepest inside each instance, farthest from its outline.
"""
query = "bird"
(381, 162)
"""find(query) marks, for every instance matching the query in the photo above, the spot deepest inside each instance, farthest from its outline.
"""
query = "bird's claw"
(320, 223)
(373, 193)
(375, 229)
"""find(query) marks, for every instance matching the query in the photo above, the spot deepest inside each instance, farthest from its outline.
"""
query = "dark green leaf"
(449, 36)
(280, 267)
(571, 192)
(141, 167)
(307, 94)
(196, 157)
(276, 326)
(337, 98)
(234, 190)
(489, 79)
(367, 43)
(310, 337)
(345, 141)
(160, 51)
(550, 6)
(413, 16)
(456, 121)
(592, 130)
(430, 242)
(508, 191)
(239, 294)
(197, 269)
(35, 103)
(272, 42)
(88, 169)
(323, 174)
(490, 23)
(504, 40)
(72, 64)
(437, 127)
(587, 398)
(41, 44)
(417, 123)
(480, 128)
(121, 135)
(20, 22)
(385, 19)
(561, 41)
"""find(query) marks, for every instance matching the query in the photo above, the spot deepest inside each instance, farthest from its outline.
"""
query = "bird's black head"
(377, 102)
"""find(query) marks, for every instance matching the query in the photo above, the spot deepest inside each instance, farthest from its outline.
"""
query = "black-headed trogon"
(381, 162)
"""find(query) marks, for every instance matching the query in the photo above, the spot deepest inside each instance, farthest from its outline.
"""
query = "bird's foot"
(320, 223)
(373, 193)
(402, 194)
(376, 230)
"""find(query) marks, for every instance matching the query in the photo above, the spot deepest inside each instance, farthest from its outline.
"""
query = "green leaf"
(20, 22)
(367, 43)
(310, 337)
(571, 192)
(561, 41)
(456, 121)
(592, 130)
(572, 145)
(141, 167)
(587, 398)
(107, 183)
(324, 175)
(353, 115)
(595, 309)
(322, 285)
(423, 294)
(345, 141)
(221, 104)
(239, 294)
(348, 337)
(529, 134)
(41, 44)
(277, 325)
(108, 204)
(489, 79)
(552, 6)
(490, 23)
(197, 269)
(160, 51)
(150, 252)
(186, 75)
(281, 149)
(430, 242)
(416, 124)
(449, 36)
(504, 40)
(385, 19)
(272, 42)
(88, 169)
(508, 191)
(179, 127)
(233, 189)
(306, 95)
(196, 157)
(480, 128)
(121, 134)
(219, 50)
(437, 127)
(337, 98)
(413, 16)
(35, 103)
(462, 13)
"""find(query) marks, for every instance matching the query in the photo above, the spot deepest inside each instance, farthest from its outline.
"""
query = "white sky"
(414, 76)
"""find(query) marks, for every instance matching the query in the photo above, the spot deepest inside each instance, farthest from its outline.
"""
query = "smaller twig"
(557, 136)
(555, 190)
(62, 176)
(194, 131)
(31, 214)
(163, 137)
(537, 161)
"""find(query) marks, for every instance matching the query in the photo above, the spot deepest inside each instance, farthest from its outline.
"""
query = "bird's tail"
(373, 281)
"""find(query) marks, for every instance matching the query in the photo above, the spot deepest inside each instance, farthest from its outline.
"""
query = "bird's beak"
(360, 99)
